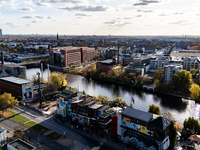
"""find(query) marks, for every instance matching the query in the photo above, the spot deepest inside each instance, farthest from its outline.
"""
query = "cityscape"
(99, 75)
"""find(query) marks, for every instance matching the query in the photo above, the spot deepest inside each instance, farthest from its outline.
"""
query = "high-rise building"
(0, 32)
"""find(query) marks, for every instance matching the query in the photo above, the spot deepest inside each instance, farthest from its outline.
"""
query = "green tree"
(158, 74)
(7, 101)
(192, 125)
(181, 80)
(102, 99)
(172, 135)
(58, 79)
(194, 71)
(194, 91)
(154, 109)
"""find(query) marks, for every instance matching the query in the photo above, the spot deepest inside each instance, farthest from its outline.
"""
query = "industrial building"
(64, 56)
(20, 88)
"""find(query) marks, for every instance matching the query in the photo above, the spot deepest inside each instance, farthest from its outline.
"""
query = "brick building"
(64, 56)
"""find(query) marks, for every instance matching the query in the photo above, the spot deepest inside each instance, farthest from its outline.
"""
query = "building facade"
(144, 130)
(169, 70)
(20, 88)
(64, 56)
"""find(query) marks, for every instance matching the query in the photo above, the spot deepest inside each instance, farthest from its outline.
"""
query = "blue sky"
(100, 17)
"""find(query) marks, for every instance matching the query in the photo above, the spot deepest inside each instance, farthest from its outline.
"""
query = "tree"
(154, 109)
(194, 91)
(194, 71)
(7, 101)
(181, 80)
(192, 125)
(172, 135)
(158, 74)
(58, 79)
(102, 99)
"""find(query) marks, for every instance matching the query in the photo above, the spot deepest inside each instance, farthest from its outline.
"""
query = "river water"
(180, 109)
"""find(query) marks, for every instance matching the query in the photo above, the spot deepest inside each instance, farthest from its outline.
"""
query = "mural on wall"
(27, 91)
(127, 123)
(62, 106)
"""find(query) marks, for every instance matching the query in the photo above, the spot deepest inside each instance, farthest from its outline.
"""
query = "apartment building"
(191, 62)
(169, 70)
(159, 62)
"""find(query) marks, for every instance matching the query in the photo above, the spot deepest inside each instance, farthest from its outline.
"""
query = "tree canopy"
(154, 109)
(102, 98)
(58, 79)
(194, 91)
(181, 80)
(7, 101)
(192, 125)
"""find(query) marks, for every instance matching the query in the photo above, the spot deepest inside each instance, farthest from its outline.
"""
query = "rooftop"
(15, 80)
(138, 114)
(21, 145)
(96, 106)
(160, 122)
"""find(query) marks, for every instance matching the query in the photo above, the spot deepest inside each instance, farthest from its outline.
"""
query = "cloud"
(44, 4)
(49, 17)
(27, 17)
(47, 2)
(145, 11)
(83, 15)
(139, 16)
(177, 13)
(182, 22)
(85, 8)
(162, 15)
(28, 9)
(11, 24)
(116, 22)
(34, 21)
(146, 2)
(39, 17)
(127, 18)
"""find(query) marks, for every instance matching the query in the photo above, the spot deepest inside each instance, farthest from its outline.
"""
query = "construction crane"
(41, 96)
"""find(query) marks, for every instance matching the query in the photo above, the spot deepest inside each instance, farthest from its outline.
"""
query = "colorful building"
(20, 88)
(143, 129)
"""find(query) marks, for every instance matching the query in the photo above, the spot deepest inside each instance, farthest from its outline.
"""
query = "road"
(82, 139)
(46, 143)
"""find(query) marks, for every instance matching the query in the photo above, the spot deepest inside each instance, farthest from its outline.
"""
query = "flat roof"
(15, 80)
(21, 145)
(96, 106)
(138, 114)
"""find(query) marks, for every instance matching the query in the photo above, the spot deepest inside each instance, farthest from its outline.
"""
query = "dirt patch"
(5, 114)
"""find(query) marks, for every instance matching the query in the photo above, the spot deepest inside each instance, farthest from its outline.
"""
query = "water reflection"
(173, 102)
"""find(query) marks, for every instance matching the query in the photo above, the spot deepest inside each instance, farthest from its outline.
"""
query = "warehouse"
(20, 88)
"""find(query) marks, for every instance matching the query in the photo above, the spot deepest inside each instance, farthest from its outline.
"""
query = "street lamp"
(39, 134)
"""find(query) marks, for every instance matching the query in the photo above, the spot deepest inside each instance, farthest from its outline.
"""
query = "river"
(180, 109)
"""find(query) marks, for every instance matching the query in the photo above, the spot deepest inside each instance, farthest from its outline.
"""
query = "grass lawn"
(25, 121)
(17, 117)
(54, 135)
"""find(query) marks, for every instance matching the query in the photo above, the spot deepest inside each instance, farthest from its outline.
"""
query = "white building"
(3, 137)
(191, 62)
(159, 62)
(169, 70)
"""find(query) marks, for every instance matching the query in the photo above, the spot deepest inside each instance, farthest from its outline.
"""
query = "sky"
(100, 17)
